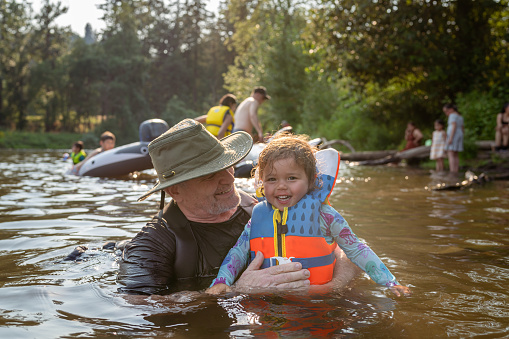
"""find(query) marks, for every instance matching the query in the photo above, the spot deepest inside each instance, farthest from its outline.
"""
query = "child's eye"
(292, 178)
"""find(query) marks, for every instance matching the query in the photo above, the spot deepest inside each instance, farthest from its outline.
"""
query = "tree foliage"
(348, 69)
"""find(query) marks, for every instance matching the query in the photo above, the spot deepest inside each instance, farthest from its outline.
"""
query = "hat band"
(200, 160)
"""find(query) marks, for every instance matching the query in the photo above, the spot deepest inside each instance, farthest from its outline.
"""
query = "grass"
(30, 140)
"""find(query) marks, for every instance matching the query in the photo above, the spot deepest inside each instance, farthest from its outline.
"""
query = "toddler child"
(438, 144)
(296, 223)
(78, 154)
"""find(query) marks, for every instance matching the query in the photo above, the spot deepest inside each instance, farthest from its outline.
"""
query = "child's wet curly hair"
(284, 146)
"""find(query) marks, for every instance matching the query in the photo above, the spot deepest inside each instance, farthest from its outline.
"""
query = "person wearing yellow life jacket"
(78, 154)
(295, 222)
(220, 119)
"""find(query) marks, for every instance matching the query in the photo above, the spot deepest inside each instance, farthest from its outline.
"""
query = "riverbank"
(31, 140)
(486, 160)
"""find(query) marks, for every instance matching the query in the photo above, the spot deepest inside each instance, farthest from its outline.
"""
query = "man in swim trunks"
(191, 235)
(246, 116)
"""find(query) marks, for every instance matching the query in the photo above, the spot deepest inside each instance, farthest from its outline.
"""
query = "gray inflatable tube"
(118, 161)
(121, 161)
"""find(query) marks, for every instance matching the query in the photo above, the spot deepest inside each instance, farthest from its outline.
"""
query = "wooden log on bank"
(372, 158)
(421, 152)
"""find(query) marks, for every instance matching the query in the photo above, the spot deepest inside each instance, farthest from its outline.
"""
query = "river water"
(450, 247)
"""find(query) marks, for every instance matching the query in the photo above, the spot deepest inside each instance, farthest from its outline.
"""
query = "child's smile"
(285, 184)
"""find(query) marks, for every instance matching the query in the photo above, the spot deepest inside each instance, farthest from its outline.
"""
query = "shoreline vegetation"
(332, 71)
(481, 159)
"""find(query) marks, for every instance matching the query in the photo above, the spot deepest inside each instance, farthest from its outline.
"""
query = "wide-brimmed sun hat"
(187, 151)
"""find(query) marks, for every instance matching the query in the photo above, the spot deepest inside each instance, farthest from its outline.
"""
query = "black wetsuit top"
(171, 248)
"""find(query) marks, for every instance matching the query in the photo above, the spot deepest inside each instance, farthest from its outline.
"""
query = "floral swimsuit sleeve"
(236, 259)
(335, 228)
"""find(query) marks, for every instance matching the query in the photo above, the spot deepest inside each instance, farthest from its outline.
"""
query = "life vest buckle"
(280, 260)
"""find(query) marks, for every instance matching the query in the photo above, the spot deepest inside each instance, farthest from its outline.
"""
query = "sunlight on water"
(450, 247)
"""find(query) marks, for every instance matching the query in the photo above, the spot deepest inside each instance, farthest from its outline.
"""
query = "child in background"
(106, 142)
(77, 154)
(296, 223)
(438, 144)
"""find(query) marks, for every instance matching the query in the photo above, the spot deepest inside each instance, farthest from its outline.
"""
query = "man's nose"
(227, 175)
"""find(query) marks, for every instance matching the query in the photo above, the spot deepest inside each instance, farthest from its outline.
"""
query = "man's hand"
(287, 276)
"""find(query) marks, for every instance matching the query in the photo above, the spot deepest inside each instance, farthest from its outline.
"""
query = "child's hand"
(218, 288)
(398, 290)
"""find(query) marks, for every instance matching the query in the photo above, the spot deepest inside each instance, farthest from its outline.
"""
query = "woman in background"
(455, 132)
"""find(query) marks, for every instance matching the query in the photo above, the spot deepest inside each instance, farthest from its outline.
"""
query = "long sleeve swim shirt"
(334, 229)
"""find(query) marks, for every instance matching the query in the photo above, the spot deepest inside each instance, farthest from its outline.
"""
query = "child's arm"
(335, 228)
(234, 262)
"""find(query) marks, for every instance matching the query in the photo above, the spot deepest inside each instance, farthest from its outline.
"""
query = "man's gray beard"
(221, 207)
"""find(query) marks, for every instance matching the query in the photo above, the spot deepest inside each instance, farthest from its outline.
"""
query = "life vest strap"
(306, 262)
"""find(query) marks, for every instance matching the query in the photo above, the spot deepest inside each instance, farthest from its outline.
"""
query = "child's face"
(438, 127)
(107, 144)
(74, 149)
(286, 184)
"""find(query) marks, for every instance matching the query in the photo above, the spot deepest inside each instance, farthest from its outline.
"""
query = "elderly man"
(191, 235)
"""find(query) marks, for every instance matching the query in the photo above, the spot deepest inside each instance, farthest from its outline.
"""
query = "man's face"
(210, 195)
(107, 144)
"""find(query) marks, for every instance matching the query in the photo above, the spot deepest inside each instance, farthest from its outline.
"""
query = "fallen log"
(485, 145)
(328, 144)
(421, 152)
(367, 155)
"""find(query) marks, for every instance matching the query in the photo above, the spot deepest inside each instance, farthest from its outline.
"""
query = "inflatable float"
(126, 159)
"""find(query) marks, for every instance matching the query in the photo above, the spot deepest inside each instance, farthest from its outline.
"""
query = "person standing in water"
(438, 144)
(295, 223)
(455, 131)
(246, 116)
(502, 129)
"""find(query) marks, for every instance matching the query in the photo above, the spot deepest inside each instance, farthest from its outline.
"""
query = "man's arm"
(201, 119)
(253, 117)
(146, 266)
(344, 270)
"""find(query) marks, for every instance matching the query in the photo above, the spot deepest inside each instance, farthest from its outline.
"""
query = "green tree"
(270, 52)
(122, 92)
(48, 77)
(417, 53)
(86, 70)
(15, 27)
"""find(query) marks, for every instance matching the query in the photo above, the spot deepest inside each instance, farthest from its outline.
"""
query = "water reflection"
(451, 247)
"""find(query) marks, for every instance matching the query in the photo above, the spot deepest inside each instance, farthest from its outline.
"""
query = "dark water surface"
(451, 247)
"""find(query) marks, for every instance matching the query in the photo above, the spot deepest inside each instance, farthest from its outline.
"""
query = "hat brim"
(237, 145)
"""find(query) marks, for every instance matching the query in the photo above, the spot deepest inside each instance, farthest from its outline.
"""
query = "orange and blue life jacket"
(295, 232)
